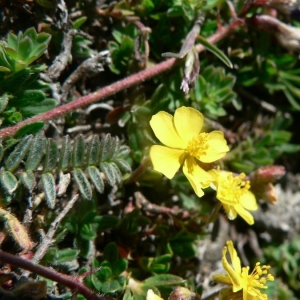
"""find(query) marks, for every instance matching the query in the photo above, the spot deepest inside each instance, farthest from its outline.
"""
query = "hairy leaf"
(9, 182)
(83, 184)
(49, 188)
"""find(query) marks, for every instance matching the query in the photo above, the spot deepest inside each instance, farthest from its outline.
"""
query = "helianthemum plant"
(243, 285)
(186, 145)
(234, 194)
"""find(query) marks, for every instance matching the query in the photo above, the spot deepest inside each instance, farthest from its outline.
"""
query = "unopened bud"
(181, 293)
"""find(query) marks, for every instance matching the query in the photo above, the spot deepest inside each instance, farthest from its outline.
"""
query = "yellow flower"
(152, 296)
(185, 145)
(239, 277)
(233, 192)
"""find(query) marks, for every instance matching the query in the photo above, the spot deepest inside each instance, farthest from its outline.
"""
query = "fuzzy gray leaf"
(105, 148)
(123, 165)
(49, 188)
(83, 184)
(93, 151)
(36, 152)
(28, 179)
(14, 159)
(109, 173)
(78, 152)
(9, 182)
(96, 178)
(50, 157)
(65, 154)
(116, 170)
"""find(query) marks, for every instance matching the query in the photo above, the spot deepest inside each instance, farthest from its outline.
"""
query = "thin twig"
(115, 87)
(69, 281)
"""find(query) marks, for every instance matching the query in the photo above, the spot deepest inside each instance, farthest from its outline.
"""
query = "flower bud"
(181, 293)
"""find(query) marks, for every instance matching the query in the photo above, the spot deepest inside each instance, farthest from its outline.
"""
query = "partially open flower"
(152, 296)
(240, 279)
(186, 145)
(233, 192)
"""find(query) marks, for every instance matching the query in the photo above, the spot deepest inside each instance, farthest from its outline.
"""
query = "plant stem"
(115, 87)
(72, 282)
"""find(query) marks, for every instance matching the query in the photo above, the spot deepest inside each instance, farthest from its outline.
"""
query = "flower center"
(257, 280)
(198, 145)
(233, 187)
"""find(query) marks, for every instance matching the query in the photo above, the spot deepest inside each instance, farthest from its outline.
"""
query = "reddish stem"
(74, 284)
(113, 88)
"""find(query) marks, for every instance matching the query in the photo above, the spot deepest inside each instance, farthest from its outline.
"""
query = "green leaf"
(106, 222)
(78, 152)
(106, 148)
(93, 152)
(49, 188)
(164, 279)
(109, 173)
(15, 158)
(83, 184)
(15, 81)
(217, 52)
(65, 154)
(111, 286)
(3, 102)
(88, 232)
(96, 178)
(38, 108)
(32, 128)
(29, 98)
(119, 267)
(46, 3)
(78, 22)
(51, 156)
(28, 179)
(104, 273)
(25, 48)
(66, 255)
(110, 253)
(36, 152)
(9, 182)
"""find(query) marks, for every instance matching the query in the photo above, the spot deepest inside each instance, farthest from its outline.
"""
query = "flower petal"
(164, 129)
(235, 260)
(197, 177)
(152, 296)
(230, 211)
(233, 274)
(248, 201)
(245, 214)
(166, 160)
(217, 147)
(188, 122)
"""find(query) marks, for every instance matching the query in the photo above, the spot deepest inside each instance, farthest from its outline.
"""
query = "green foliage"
(106, 156)
(21, 93)
(108, 279)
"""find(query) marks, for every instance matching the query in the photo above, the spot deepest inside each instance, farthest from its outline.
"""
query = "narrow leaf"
(49, 188)
(9, 182)
(65, 154)
(78, 152)
(32, 128)
(109, 173)
(123, 165)
(14, 159)
(93, 151)
(50, 157)
(83, 184)
(36, 152)
(96, 178)
(117, 172)
(217, 52)
(105, 148)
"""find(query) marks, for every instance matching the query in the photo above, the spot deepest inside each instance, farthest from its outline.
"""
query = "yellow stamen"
(198, 145)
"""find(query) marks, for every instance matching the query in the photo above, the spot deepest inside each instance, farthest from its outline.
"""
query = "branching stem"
(115, 87)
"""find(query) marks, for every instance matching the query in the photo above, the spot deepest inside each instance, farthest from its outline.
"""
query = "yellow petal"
(166, 160)
(245, 214)
(164, 129)
(234, 276)
(248, 201)
(235, 260)
(223, 278)
(152, 296)
(197, 177)
(230, 210)
(217, 147)
(188, 122)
